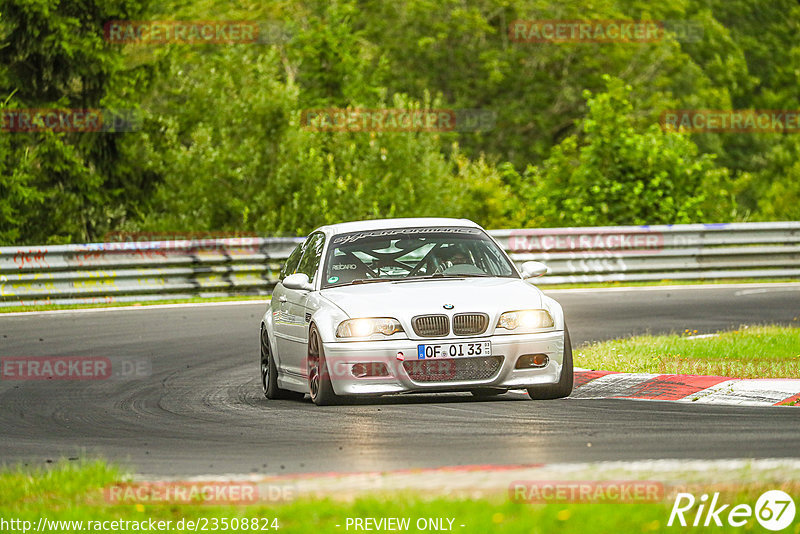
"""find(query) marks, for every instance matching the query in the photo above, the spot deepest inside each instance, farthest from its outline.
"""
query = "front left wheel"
(563, 387)
(269, 372)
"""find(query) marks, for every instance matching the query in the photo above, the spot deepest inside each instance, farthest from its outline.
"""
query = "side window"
(290, 265)
(312, 255)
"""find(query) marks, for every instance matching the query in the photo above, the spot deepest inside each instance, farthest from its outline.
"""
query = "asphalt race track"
(202, 412)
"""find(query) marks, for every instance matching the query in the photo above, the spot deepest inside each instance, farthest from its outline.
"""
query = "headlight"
(366, 327)
(525, 321)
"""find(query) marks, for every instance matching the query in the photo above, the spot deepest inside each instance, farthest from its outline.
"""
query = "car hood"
(407, 299)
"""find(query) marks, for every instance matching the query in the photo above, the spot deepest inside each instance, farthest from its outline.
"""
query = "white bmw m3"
(410, 305)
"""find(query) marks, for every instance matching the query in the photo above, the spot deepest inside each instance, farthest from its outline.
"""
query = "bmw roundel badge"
(448, 306)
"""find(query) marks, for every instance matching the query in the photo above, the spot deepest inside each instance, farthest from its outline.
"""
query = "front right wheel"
(319, 377)
(563, 387)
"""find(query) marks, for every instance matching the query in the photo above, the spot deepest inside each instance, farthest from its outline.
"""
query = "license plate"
(454, 350)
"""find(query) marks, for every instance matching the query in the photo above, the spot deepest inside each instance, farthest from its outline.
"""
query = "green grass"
(750, 352)
(73, 492)
(50, 307)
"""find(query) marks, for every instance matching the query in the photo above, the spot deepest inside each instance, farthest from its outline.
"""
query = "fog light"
(532, 361)
(360, 370)
(364, 370)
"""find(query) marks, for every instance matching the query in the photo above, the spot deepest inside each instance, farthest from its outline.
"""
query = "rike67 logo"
(774, 510)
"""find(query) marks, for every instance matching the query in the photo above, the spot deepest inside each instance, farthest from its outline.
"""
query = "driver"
(459, 258)
(455, 255)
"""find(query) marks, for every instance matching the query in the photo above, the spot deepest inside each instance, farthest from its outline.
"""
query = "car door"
(297, 312)
(281, 323)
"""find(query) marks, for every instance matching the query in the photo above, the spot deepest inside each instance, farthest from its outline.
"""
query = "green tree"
(76, 185)
(235, 157)
(615, 175)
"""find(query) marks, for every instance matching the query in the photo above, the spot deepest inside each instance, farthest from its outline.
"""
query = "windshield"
(410, 253)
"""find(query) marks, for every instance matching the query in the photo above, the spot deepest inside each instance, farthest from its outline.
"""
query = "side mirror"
(297, 281)
(532, 269)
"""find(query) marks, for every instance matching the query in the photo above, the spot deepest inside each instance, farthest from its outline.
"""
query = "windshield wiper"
(466, 275)
(370, 280)
(431, 277)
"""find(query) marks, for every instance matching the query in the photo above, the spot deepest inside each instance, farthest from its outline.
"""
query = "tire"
(269, 373)
(486, 393)
(564, 386)
(319, 379)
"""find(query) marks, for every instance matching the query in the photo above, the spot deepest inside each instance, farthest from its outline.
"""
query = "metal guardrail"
(140, 271)
(663, 252)
(153, 270)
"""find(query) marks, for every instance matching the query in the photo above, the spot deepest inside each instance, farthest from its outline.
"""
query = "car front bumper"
(342, 356)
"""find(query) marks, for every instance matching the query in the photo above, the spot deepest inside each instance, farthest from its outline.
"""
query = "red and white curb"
(686, 388)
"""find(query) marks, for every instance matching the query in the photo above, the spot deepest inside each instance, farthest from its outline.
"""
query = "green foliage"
(617, 175)
(18, 198)
(71, 186)
(333, 61)
(237, 157)
(781, 200)
(763, 37)
(222, 148)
